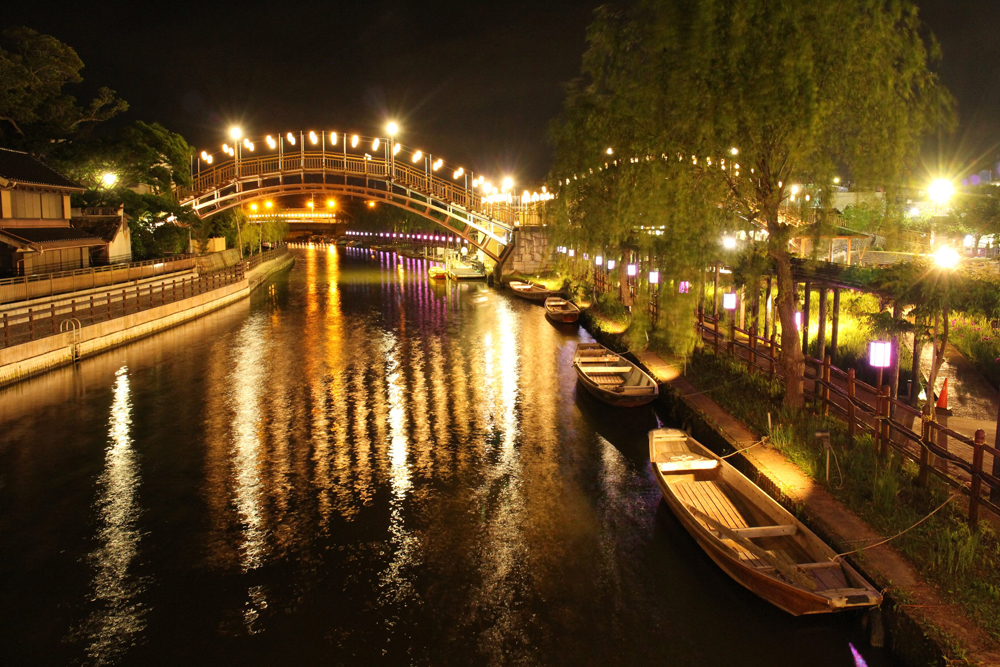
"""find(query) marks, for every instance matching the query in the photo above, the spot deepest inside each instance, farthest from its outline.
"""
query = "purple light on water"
(858, 660)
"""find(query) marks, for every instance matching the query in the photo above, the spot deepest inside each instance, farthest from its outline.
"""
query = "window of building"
(52, 206)
(36, 205)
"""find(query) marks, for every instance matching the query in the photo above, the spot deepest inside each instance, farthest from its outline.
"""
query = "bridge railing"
(345, 164)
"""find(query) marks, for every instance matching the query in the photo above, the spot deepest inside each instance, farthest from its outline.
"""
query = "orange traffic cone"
(942, 402)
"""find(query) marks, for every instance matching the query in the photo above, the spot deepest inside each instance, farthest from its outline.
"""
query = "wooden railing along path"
(954, 458)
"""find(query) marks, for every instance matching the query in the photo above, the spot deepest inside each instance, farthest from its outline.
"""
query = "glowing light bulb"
(291, 138)
(354, 141)
(235, 133)
(396, 148)
(392, 128)
(416, 156)
(312, 137)
(458, 172)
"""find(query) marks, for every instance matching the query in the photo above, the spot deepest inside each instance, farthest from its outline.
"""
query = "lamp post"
(392, 128)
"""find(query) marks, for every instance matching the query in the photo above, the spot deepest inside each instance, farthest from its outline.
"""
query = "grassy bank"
(964, 564)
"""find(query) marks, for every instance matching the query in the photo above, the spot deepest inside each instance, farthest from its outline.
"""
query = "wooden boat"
(437, 273)
(612, 378)
(529, 291)
(749, 535)
(559, 309)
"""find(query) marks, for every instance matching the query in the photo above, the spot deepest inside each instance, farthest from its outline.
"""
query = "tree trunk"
(939, 344)
(897, 313)
(918, 351)
(792, 362)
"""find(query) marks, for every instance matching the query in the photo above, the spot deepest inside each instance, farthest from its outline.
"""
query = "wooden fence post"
(925, 437)
(851, 409)
(826, 385)
(92, 320)
(977, 477)
(31, 325)
(884, 391)
(52, 317)
(6, 331)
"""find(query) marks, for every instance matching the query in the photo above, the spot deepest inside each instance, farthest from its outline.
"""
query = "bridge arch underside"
(493, 241)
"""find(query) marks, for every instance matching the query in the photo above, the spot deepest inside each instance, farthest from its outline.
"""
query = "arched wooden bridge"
(402, 177)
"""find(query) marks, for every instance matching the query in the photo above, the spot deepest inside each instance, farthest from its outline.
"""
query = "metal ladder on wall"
(72, 326)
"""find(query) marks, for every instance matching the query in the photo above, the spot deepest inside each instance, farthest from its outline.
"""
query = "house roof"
(40, 238)
(105, 226)
(19, 167)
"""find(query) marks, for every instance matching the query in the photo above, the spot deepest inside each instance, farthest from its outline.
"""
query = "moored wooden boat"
(559, 309)
(612, 378)
(437, 272)
(529, 291)
(749, 535)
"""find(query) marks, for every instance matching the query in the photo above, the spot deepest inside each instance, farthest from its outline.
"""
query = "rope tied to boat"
(743, 449)
(902, 532)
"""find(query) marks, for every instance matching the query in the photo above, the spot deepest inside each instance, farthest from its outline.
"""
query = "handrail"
(508, 213)
(54, 275)
(878, 419)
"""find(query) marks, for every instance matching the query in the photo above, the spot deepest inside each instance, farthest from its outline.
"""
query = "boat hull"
(562, 318)
(793, 599)
(615, 399)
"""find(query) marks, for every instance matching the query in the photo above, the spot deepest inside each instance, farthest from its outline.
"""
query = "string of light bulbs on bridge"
(490, 193)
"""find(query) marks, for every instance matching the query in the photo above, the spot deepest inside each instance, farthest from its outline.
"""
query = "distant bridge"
(371, 168)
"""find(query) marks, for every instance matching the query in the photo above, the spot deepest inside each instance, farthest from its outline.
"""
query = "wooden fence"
(48, 320)
(937, 450)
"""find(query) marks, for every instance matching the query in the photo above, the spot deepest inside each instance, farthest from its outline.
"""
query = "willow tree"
(801, 91)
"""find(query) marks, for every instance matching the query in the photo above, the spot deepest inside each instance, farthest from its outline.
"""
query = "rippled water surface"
(357, 467)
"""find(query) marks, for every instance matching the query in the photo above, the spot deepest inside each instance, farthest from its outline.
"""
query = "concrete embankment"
(22, 361)
(923, 627)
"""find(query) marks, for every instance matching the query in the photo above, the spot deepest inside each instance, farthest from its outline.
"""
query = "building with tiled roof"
(35, 231)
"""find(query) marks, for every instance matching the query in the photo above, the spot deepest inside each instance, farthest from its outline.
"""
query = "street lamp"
(946, 257)
(940, 191)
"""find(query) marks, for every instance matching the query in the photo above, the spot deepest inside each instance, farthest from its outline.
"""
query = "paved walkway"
(886, 566)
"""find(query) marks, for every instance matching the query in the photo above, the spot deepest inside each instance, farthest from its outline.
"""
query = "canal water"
(358, 466)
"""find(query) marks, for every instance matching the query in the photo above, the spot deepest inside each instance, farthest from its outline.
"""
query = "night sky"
(473, 82)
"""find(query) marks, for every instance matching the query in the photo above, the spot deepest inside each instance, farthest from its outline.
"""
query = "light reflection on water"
(376, 468)
(119, 618)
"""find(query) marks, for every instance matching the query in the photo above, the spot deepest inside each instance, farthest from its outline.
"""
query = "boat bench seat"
(685, 463)
(766, 531)
(606, 369)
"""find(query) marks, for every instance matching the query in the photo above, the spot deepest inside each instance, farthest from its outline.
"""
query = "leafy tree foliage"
(35, 112)
(147, 161)
(802, 90)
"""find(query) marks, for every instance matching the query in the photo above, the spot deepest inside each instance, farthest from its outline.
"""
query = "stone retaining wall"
(531, 252)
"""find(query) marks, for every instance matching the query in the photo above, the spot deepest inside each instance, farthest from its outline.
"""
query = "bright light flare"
(313, 138)
(397, 148)
(291, 138)
(392, 129)
(947, 257)
(109, 179)
(235, 133)
(416, 156)
(729, 242)
(458, 172)
(354, 141)
(940, 191)
(375, 144)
